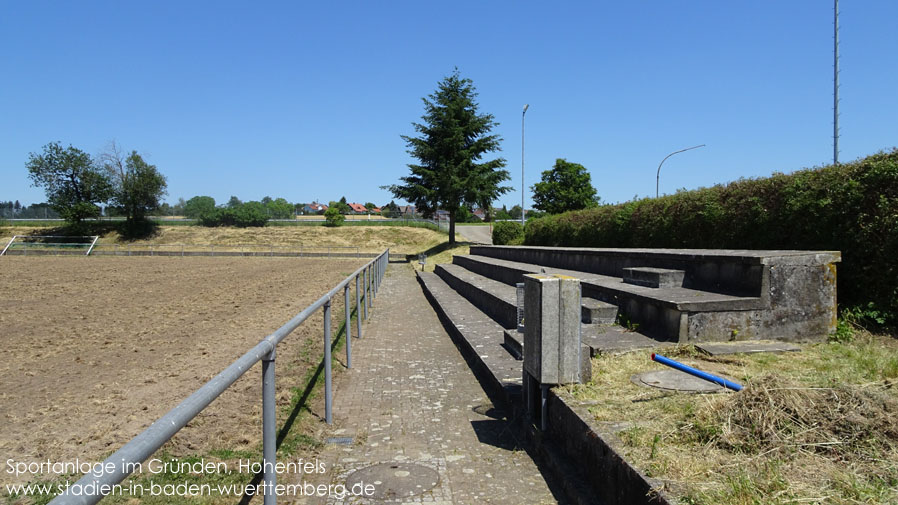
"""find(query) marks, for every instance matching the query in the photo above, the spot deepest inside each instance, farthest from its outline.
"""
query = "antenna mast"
(836, 82)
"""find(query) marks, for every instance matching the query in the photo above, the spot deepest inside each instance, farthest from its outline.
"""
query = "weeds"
(816, 426)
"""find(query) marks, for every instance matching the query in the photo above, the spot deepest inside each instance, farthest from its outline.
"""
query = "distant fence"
(367, 281)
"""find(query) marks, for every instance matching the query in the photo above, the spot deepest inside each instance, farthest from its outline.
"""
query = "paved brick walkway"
(412, 400)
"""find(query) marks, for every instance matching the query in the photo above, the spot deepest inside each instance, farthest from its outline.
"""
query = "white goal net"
(25, 245)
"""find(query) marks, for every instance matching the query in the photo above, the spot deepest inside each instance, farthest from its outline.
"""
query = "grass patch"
(440, 253)
(817, 426)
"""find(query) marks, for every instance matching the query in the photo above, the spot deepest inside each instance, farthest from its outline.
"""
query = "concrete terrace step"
(499, 300)
(478, 337)
(511, 272)
(514, 344)
(598, 312)
(605, 339)
(662, 313)
(495, 299)
(599, 339)
(654, 277)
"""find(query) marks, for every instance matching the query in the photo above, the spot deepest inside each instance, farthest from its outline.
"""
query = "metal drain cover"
(673, 380)
(393, 481)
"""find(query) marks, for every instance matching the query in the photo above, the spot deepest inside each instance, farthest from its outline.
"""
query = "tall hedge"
(851, 207)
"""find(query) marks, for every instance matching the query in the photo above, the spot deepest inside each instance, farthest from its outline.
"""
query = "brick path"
(411, 398)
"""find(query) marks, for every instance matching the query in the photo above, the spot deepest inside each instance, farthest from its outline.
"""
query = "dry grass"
(443, 254)
(402, 240)
(819, 426)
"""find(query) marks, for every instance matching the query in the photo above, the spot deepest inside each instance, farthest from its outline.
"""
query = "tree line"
(15, 210)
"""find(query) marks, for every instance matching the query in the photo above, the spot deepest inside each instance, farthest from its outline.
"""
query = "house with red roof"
(358, 208)
(314, 208)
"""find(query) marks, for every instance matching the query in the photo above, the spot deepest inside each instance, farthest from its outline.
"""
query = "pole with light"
(526, 106)
(658, 176)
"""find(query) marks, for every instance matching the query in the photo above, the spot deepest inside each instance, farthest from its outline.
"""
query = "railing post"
(358, 309)
(368, 287)
(347, 326)
(269, 426)
(328, 398)
(365, 287)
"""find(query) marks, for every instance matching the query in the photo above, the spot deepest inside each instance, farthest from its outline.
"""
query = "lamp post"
(658, 176)
(526, 106)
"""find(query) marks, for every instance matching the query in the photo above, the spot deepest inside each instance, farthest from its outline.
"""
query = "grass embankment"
(817, 426)
(400, 239)
(409, 241)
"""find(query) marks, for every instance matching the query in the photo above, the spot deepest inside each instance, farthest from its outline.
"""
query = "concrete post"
(552, 328)
(552, 340)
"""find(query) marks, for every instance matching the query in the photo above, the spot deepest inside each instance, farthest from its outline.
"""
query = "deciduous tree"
(567, 186)
(138, 186)
(74, 185)
(199, 205)
(279, 208)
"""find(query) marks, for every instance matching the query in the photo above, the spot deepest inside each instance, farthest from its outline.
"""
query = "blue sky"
(307, 100)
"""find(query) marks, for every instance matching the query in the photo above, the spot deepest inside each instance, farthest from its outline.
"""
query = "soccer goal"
(50, 245)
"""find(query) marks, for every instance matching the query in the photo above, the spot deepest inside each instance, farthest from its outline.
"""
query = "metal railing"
(141, 447)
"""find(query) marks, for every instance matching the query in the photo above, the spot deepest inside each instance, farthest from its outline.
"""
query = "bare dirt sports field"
(95, 349)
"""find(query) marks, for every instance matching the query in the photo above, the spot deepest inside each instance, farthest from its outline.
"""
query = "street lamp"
(658, 176)
(526, 106)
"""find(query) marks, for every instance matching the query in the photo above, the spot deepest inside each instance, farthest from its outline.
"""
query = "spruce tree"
(453, 139)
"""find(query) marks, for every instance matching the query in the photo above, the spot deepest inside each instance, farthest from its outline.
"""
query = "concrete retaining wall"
(612, 478)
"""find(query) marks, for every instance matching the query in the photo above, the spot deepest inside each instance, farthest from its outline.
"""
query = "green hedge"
(852, 208)
(507, 232)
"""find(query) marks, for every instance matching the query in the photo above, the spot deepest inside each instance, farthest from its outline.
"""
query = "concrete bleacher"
(701, 295)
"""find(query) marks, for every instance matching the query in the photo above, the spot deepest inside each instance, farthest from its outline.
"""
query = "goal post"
(50, 245)
(8, 244)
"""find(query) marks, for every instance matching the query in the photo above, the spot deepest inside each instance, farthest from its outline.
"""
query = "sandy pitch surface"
(96, 349)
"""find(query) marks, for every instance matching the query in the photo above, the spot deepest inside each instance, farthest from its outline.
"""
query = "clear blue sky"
(307, 100)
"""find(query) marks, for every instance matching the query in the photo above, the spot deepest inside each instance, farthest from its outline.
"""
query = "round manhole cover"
(673, 380)
(395, 480)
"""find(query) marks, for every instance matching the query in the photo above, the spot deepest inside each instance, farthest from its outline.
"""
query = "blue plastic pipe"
(720, 381)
